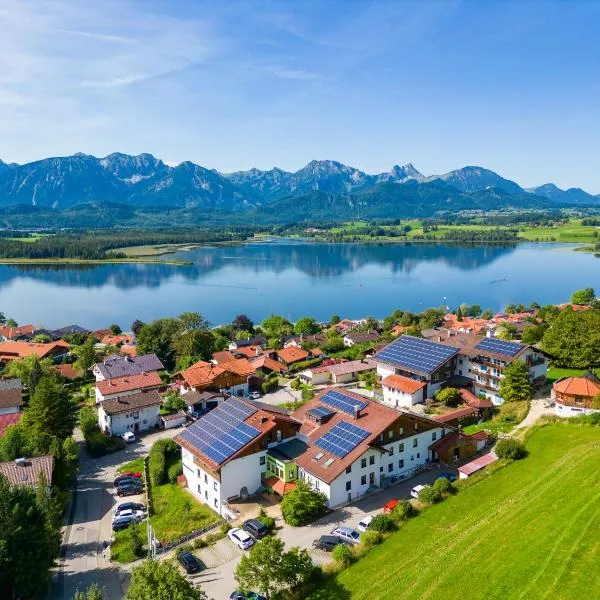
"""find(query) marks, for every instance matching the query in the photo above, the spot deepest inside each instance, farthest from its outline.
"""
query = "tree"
(136, 326)
(174, 402)
(584, 296)
(269, 569)
(430, 495)
(21, 369)
(87, 354)
(459, 315)
(306, 326)
(303, 505)
(193, 321)
(2, 318)
(474, 310)
(343, 555)
(449, 396)
(533, 334)
(515, 385)
(370, 324)
(35, 374)
(50, 414)
(93, 592)
(194, 345)
(157, 338)
(334, 319)
(382, 523)
(573, 339)
(275, 326)
(11, 323)
(28, 543)
(487, 314)
(14, 443)
(510, 448)
(161, 580)
(41, 338)
(116, 330)
(243, 323)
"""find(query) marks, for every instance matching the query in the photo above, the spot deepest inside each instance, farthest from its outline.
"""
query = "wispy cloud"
(284, 73)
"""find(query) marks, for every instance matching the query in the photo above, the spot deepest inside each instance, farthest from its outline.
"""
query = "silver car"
(347, 534)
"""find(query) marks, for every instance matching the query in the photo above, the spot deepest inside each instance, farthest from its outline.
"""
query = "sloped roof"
(404, 384)
(578, 386)
(292, 354)
(120, 366)
(265, 362)
(28, 474)
(137, 401)
(478, 463)
(10, 350)
(352, 366)
(8, 420)
(11, 393)
(456, 414)
(118, 385)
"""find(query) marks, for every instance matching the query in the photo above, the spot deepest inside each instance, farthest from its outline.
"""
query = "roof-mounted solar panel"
(499, 346)
(416, 354)
(343, 402)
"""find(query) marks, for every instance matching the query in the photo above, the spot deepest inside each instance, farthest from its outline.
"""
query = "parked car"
(136, 474)
(121, 479)
(129, 490)
(347, 534)
(255, 528)
(417, 490)
(242, 539)
(190, 563)
(123, 522)
(247, 596)
(138, 515)
(449, 476)
(364, 523)
(128, 437)
(389, 507)
(328, 542)
(129, 506)
(255, 395)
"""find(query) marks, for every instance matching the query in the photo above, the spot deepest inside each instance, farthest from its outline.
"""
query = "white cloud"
(284, 73)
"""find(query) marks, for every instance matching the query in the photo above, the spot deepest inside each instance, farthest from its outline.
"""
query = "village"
(310, 431)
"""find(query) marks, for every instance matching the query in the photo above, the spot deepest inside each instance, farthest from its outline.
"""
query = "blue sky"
(513, 86)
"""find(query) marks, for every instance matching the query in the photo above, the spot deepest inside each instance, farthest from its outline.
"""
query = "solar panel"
(342, 439)
(321, 412)
(343, 401)
(499, 346)
(221, 433)
(416, 354)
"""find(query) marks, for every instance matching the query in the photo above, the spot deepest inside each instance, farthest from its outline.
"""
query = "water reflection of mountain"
(313, 259)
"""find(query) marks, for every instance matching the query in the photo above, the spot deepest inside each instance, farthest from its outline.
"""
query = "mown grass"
(528, 531)
(176, 512)
(135, 465)
(121, 550)
(505, 417)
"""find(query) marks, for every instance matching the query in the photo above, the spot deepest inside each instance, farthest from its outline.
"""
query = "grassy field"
(136, 465)
(507, 415)
(527, 531)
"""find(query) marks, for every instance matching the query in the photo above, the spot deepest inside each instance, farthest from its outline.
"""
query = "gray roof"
(121, 366)
(27, 474)
(68, 330)
(193, 396)
(132, 402)
(10, 384)
(288, 450)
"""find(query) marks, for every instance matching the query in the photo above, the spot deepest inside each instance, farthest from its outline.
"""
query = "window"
(291, 475)
(216, 486)
(416, 426)
(327, 463)
(381, 438)
(418, 455)
(401, 464)
(199, 489)
(381, 469)
(391, 434)
(349, 469)
(318, 456)
(401, 431)
(317, 485)
(390, 467)
(371, 460)
(348, 486)
(363, 480)
(205, 478)
(216, 503)
(434, 436)
(206, 494)
(199, 473)
(262, 460)
(415, 443)
(400, 448)
(391, 450)
(363, 463)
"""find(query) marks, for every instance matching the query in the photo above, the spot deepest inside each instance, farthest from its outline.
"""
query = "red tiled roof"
(479, 435)
(265, 362)
(472, 400)
(279, 486)
(223, 356)
(8, 420)
(578, 386)
(115, 340)
(478, 464)
(127, 350)
(292, 354)
(455, 414)
(11, 332)
(250, 351)
(404, 384)
(239, 366)
(68, 371)
(28, 474)
(316, 351)
(203, 373)
(118, 385)
(14, 350)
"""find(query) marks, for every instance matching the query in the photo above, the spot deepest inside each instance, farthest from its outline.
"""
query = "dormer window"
(319, 456)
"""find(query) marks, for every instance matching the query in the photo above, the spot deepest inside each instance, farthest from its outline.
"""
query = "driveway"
(89, 522)
(219, 581)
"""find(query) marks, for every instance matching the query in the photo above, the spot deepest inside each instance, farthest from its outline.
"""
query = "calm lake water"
(296, 278)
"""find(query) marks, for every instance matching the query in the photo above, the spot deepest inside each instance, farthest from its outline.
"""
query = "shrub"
(295, 385)
(270, 385)
(403, 511)
(443, 485)
(307, 393)
(157, 460)
(511, 449)
(174, 471)
(266, 520)
(449, 396)
(342, 555)
(371, 538)
(305, 364)
(88, 421)
(381, 523)
(431, 495)
(134, 541)
(99, 444)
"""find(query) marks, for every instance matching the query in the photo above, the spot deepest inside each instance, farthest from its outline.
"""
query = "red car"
(390, 506)
(131, 474)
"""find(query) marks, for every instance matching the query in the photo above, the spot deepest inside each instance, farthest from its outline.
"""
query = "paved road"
(88, 525)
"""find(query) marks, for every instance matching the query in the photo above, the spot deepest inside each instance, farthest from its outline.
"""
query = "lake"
(296, 278)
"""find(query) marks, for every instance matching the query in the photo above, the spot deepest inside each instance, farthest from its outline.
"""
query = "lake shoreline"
(82, 261)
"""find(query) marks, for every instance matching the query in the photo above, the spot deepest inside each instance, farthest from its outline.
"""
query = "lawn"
(136, 465)
(121, 549)
(176, 512)
(505, 417)
(528, 530)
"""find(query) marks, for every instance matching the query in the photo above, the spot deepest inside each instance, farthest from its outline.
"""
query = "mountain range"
(323, 189)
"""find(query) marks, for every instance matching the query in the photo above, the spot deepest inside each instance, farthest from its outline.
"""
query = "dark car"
(248, 596)
(449, 476)
(123, 523)
(328, 542)
(129, 506)
(121, 479)
(129, 490)
(189, 562)
(255, 528)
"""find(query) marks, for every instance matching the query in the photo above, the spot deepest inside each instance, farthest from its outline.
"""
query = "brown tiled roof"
(472, 400)
(578, 386)
(455, 414)
(265, 362)
(404, 384)
(118, 385)
(222, 357)
(137, 401)
(115, 340)
(292, 354)
(28, 474)
(13, 350)
(360, 337)
(11, 393)
(8, 420)
(173, 416)
(68, 371)
(352, 366)
(239, 366)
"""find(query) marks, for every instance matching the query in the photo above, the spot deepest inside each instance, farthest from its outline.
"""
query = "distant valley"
(82, 190)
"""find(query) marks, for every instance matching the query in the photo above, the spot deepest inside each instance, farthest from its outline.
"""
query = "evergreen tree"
(35, 374)
(87, 354)
(515, 385)
(93, 592)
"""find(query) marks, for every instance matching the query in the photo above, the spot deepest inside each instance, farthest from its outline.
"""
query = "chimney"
(20, 462)
(357, 412)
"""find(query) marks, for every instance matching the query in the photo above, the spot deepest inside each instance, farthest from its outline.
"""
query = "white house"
(135, 412)
(107, 389)
(402, 392)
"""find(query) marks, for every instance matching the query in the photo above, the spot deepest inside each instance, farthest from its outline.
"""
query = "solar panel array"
(222, 432)
(342, 401)
(342, 439)
(320, 412)
(416, 354)
(499, 346)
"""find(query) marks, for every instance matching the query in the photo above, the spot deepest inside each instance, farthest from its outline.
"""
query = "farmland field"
(527, 531)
